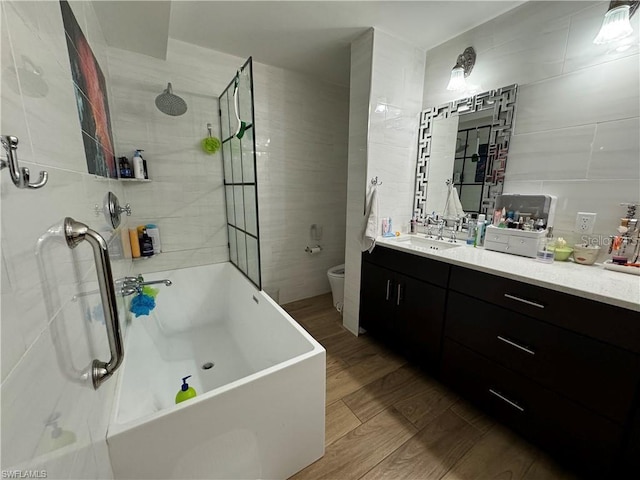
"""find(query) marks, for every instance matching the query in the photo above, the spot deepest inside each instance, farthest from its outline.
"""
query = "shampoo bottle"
(146, 244)
(138, 165)
(186, 392)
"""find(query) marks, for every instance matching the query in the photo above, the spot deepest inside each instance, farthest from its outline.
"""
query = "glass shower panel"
(253, 262)
(231, 213)
(226, 156)
(250, 217)
(239, 162)
(238, 197)
(236, 160)
(248, 172)
(242, 251)
(233, 248)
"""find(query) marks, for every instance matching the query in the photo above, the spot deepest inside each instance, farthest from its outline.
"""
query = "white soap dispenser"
(138, 165)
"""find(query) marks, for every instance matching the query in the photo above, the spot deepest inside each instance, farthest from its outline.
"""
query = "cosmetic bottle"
(138, 165)
(480, 230)
(471, 232)
(154, 233)
(135, 243)
(146, 244)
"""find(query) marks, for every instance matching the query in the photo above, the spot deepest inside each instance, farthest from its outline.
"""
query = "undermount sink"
(422, 243)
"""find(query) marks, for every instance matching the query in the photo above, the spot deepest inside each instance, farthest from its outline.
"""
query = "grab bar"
(75, 233)
(19, 176)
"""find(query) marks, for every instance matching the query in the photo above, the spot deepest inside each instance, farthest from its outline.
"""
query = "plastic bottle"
(146, 244)
(480, 230)
(412, 225)
(154, 233)
(471, 232)
(135, 243)
(138, 165)
(186, 392)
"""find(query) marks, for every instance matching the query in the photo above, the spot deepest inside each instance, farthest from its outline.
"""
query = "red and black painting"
(91, 98)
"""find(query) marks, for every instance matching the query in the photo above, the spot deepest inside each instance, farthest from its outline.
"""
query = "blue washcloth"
(142, 304)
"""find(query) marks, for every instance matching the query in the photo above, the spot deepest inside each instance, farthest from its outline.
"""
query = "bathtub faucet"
(142, 283)
(133, 285)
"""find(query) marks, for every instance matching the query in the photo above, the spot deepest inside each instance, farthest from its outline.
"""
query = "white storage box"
(511, 240)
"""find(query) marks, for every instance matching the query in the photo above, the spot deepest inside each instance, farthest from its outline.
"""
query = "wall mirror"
(465, 144)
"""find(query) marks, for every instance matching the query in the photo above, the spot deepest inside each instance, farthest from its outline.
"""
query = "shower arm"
(75, 233)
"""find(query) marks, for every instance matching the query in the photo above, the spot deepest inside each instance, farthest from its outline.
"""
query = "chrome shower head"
(169, 103)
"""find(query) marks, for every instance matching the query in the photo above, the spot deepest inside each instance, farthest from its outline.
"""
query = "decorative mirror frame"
(503, 103)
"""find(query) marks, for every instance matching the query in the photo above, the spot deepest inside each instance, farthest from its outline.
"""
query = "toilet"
(336, 279)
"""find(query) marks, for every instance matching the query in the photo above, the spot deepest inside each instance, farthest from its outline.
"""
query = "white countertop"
(589, 281)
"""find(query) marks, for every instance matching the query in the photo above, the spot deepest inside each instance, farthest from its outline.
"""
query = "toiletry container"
(154, 233)
(135, 243)
(146, 244)
(186, 392)
(336, 280)
(480, 230)
(138, 165)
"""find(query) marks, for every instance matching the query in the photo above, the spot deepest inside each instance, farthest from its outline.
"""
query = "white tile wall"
(301, 141)
(47, 338)
(394, 104)
(577, 127)
(359, 100)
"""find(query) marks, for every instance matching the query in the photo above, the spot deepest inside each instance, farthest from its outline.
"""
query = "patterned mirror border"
(503, 103)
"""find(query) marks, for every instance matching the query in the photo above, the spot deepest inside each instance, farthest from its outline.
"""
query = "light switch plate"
(585, 222)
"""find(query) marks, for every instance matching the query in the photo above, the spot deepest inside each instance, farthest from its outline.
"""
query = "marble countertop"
(589, 281)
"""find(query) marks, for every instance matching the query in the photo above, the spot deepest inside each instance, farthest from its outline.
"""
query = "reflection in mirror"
(466, 143)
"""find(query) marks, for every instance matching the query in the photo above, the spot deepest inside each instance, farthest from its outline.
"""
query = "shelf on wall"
(136, 259)
(135, 180)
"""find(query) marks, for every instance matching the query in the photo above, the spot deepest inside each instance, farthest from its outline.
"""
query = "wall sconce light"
(616, 24)
(462, 69)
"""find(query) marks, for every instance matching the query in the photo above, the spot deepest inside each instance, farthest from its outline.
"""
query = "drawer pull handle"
(506, 400)
(514, 344)
(399, 295)
(388, 289)
(528, 302)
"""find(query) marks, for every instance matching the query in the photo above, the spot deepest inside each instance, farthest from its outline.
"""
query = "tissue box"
(511, 240)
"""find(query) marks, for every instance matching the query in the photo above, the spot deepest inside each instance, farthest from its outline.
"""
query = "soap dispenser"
(186, 392)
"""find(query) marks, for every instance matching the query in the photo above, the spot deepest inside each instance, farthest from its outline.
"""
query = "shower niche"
(240, 182)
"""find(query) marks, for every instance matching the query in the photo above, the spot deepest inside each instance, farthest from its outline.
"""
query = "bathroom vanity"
(523, 340)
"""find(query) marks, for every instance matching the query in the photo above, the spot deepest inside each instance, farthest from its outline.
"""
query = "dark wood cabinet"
(401, 310)
(561, 369)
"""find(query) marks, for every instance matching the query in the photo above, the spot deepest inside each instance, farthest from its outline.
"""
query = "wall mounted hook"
(19, 176)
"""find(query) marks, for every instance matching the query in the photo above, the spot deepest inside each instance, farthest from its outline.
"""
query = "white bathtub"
(259, 412)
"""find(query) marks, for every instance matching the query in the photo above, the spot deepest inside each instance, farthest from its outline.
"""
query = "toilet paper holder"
(312, 250)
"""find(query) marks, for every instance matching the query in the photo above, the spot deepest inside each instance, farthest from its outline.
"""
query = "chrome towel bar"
(75, 233)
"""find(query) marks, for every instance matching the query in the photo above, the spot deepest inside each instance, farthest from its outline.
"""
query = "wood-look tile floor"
(386, 419)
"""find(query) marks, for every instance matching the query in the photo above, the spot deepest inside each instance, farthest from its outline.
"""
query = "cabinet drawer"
(415, 266)
(586, 370)
(589, 441)
(618, 326)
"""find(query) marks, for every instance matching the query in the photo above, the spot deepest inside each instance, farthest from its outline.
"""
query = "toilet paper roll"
(313, 250)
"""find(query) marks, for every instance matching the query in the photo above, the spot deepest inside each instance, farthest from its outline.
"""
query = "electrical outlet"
(585, 222)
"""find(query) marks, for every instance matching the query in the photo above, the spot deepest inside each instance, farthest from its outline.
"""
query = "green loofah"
(150, 291)
(211, 145)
